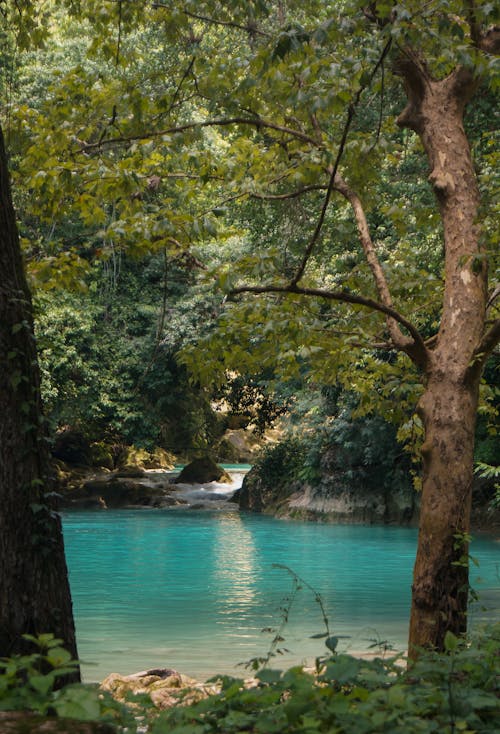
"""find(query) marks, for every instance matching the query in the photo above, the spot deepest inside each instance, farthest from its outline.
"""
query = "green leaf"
(269, 676)
(451, 642)
(58, 656)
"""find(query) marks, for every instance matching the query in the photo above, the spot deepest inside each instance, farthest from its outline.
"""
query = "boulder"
(159, 459)
(130, 471)
(116, 492)
(201, 471)
(332, 499)
(164, 686)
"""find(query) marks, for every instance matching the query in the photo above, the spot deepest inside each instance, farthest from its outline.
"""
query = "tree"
(34, 590)
(285, 86)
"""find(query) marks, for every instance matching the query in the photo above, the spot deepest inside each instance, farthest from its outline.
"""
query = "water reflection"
(234, 565)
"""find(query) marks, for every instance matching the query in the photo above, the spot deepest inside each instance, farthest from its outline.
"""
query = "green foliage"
(108, 356)
(32, 682)
(280, 464)
(454, 691)
(451, 692)
(324, 435)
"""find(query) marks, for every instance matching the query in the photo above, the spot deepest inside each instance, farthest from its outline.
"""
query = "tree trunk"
(34, 589)
(440, 581)
(448, 406)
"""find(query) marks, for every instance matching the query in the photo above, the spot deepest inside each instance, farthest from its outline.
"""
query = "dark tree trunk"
(34, 590)
(448, 406)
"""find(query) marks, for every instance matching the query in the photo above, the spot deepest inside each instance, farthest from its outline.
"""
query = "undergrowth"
(455, 692)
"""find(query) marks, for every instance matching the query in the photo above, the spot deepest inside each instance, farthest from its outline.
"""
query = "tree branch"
(250, 28)
(351, 111)
(400, 341)
(256, 122)
(495, 293)
(487, 345)
(290, 194)
(418, 353)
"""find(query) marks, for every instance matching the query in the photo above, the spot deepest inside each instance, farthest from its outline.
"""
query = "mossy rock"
(132, 456)
(116, 493)
(159, 459)
(203, 470)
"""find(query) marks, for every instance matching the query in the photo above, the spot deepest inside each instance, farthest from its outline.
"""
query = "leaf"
(58, 656)
(78, 702)
(269, 676)
(331, 643)
(42, 683)
(451, 642)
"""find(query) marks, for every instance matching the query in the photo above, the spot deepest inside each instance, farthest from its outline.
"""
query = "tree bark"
(449, 404)
(34, 589)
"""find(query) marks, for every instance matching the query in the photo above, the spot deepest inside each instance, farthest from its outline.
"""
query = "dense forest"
(226, 218)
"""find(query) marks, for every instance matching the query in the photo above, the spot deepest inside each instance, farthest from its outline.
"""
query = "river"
(200, 590)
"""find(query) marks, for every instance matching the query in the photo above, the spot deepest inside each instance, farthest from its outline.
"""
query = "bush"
(453, 692)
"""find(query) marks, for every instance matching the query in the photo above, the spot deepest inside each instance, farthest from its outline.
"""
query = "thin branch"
(351, 111)
(400, 340)
(249, 28)
(353, 341)
(245, 194)
(488, 343)
(257, 122)
(185, 75)
(289, 194)
(493, 297)
(343, 296)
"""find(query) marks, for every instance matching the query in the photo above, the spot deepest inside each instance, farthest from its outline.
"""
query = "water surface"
(193, 590)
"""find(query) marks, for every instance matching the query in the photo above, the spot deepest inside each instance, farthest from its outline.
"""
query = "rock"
(159, 459)
(164, 686)
(115, 492)
(130, 472)
(235, 498)
(201, 471)
(331, 500)
(339, 504)
(24, 722)
(170, 501)
(227, 453)
(258, 496)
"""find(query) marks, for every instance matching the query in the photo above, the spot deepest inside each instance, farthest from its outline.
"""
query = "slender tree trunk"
(34, 589)
(448, 406)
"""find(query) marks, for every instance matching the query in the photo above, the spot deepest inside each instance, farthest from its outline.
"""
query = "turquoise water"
(193, 590)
